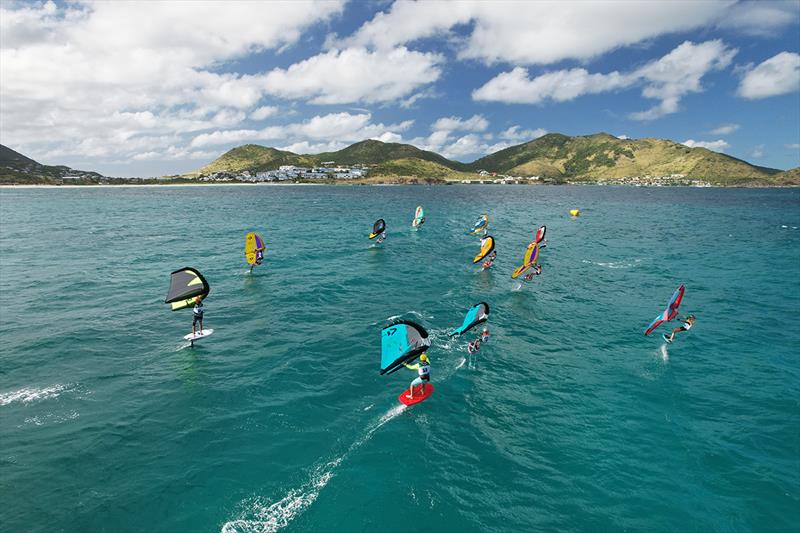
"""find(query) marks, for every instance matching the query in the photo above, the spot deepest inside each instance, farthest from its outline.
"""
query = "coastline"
(387, 184)
(125, 185)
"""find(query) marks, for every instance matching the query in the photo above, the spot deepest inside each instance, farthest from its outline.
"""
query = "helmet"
(423, 358)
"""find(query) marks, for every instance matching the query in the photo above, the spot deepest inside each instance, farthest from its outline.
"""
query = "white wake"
(262, 516)
(31, 394)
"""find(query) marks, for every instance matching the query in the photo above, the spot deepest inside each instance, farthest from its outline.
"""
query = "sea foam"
(32, 394)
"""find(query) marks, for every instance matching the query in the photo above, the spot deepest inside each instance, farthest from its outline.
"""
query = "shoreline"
(131, 185)
(126, 185)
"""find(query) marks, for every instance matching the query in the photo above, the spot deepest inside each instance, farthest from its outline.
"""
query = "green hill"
(788, 177)
(603, 156)
(418, 169)
(9, 156)
(555, 157)
(16, 169)
(372, 152)
(255, 158)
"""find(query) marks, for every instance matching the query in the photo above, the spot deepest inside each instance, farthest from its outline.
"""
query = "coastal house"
(290, 173)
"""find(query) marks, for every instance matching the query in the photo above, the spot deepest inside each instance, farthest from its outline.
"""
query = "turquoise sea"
(569, 420)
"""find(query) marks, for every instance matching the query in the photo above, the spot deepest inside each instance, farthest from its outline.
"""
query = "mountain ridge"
(16, 168)
(553, 157)
(370, 152)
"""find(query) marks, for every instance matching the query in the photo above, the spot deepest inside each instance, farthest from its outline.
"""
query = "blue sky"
(153, 88)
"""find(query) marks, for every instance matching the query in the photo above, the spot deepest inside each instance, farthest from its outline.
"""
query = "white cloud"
(355, 75)
(434, 142)
(173, 153)
(794, 146)
(778, 75)
(474, 123)
(132, 81)
(679, 73)
(762, 19)
(179, 152)
(116, 71)
(147, 156)
(344, 127)
(725, 129)
(562, 85)
(622, 137)
(514, 133)
(758, 152)
(305, 147)
(463, 146)
(331, 126)
(445, 143)
(409, 102)
(717, 146)
(22, 24)
(335, 128)
(233, 136)
(198, 31)
(406, 22)
(534, 32)
(389, 137)
(666, 79)
(263, 112)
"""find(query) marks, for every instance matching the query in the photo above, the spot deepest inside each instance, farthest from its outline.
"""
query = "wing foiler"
(531, 254)
(377, 228)
(670, 312)
(419, 217)
(254, 248)
(185, 285)
(481, 225)
(402, 342)
(476, 314)
(487, 247)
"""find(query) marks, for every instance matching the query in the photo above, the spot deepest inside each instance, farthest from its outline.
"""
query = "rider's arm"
(411, 367)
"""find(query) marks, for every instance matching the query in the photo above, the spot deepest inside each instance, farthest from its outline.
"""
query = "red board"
(420, 395)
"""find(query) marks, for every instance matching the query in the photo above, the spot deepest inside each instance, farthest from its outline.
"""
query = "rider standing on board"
(423, 369)
(197, 314)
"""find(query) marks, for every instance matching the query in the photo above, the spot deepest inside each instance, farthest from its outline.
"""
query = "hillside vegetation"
(418, 168)
(554, 157)
(788, 177)
(603, 156)
(373, 152)
(17, 169)
(255, 158)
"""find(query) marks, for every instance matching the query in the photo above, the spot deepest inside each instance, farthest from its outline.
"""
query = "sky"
(164, 87)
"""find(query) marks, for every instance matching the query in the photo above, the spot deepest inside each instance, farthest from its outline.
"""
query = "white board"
(199, 335)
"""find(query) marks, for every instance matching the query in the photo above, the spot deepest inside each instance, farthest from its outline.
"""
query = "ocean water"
(568, 420)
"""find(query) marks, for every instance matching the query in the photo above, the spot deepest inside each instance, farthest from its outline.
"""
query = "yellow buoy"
(575, 212)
